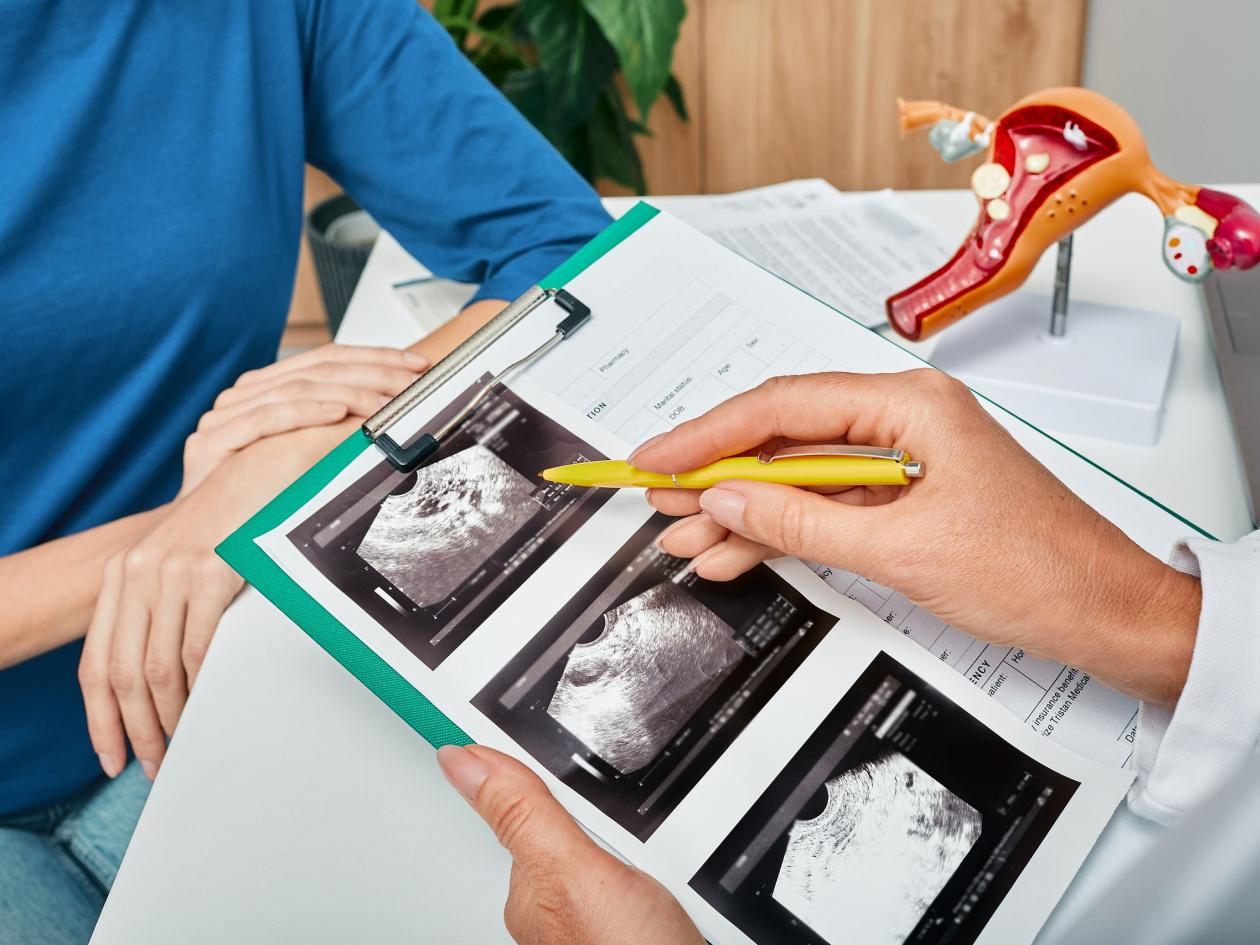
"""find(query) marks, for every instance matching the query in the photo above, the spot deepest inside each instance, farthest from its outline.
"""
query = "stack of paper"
(851, 251)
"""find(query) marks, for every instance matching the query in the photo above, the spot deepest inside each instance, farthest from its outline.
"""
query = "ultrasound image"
(430, 554)
(627, 693)
(901, 819)
(867, 868)
(430, 539)
(640, 681)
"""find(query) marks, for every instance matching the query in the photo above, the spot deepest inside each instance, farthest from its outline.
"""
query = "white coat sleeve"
(1184, 753)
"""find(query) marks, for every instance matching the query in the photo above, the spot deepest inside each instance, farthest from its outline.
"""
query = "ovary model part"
(628, 692)
(1053, 160)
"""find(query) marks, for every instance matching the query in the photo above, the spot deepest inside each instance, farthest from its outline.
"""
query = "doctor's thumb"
(796, 522)
(513, 801)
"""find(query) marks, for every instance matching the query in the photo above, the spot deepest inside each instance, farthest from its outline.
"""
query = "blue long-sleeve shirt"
(151, 170)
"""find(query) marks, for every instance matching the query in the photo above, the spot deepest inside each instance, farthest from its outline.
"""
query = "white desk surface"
(295, 807)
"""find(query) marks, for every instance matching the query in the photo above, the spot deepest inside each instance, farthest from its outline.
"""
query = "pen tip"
(546, 474)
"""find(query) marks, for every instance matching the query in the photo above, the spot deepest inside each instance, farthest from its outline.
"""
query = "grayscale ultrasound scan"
(628, 692)
(430, 539)
(902, 819)
(637, 685)
(431, 554)
(884, 846)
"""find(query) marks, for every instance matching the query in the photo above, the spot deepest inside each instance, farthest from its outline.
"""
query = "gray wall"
(1189, 72)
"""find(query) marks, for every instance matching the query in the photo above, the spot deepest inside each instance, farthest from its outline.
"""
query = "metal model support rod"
(1062, 276)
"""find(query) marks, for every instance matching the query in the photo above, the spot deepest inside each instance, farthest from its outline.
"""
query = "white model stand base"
(1106, 377)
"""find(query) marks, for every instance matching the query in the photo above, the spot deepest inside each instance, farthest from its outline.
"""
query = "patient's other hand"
(310, 389)
(161, 599)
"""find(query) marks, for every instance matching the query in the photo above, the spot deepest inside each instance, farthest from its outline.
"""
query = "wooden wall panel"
(767, 89)
(980, 56)
(807, 88)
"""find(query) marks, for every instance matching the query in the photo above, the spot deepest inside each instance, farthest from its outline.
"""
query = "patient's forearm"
(442, 342)
(47, 593)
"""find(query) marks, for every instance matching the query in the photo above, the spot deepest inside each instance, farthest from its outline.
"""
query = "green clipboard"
(241, 550)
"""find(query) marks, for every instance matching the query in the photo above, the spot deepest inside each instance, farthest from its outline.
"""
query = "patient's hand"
(564, 889)
(988, 540)
(161, 598)
(315, 388)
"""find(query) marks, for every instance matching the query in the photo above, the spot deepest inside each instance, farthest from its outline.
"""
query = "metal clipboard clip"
(408, 457)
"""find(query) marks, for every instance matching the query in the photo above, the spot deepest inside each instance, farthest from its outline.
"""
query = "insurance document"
(799, 755)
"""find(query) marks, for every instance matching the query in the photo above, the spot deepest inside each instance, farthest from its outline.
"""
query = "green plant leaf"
(557, 61)
(527, 90)
(491, 41)
(503, 42)
(674, 92)
(499, 19)
(575, 58)
(442, 9)
(452, 14)
(610, 133)
(643, 33)
(495, 65)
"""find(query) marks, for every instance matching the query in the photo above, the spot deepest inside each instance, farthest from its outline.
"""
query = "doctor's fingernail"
(463, 769)
(150, 769)
(109, 764)
(415, 360)
(332, 410)
(643, 446)
(726, 507)
(666, 532)
(693, 566)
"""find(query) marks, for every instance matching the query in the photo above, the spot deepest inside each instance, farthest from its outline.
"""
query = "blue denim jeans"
(57, 862)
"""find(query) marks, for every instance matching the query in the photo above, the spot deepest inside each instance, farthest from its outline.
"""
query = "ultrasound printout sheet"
(799, 755)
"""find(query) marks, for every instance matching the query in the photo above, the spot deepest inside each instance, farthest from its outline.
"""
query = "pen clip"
(913, 469)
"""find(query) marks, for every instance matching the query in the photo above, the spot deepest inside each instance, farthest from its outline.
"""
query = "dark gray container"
(341, 236)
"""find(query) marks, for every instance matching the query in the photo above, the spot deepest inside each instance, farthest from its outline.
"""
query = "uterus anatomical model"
(1052, 161)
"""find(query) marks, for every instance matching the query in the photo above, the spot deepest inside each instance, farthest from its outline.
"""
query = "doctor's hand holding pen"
(988, 540)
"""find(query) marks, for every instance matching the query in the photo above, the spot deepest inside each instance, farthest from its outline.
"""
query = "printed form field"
(697, 350)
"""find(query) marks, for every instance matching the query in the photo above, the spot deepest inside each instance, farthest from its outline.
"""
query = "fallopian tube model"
(1054, 159)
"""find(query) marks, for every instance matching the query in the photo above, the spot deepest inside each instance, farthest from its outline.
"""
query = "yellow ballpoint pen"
(791, 466)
